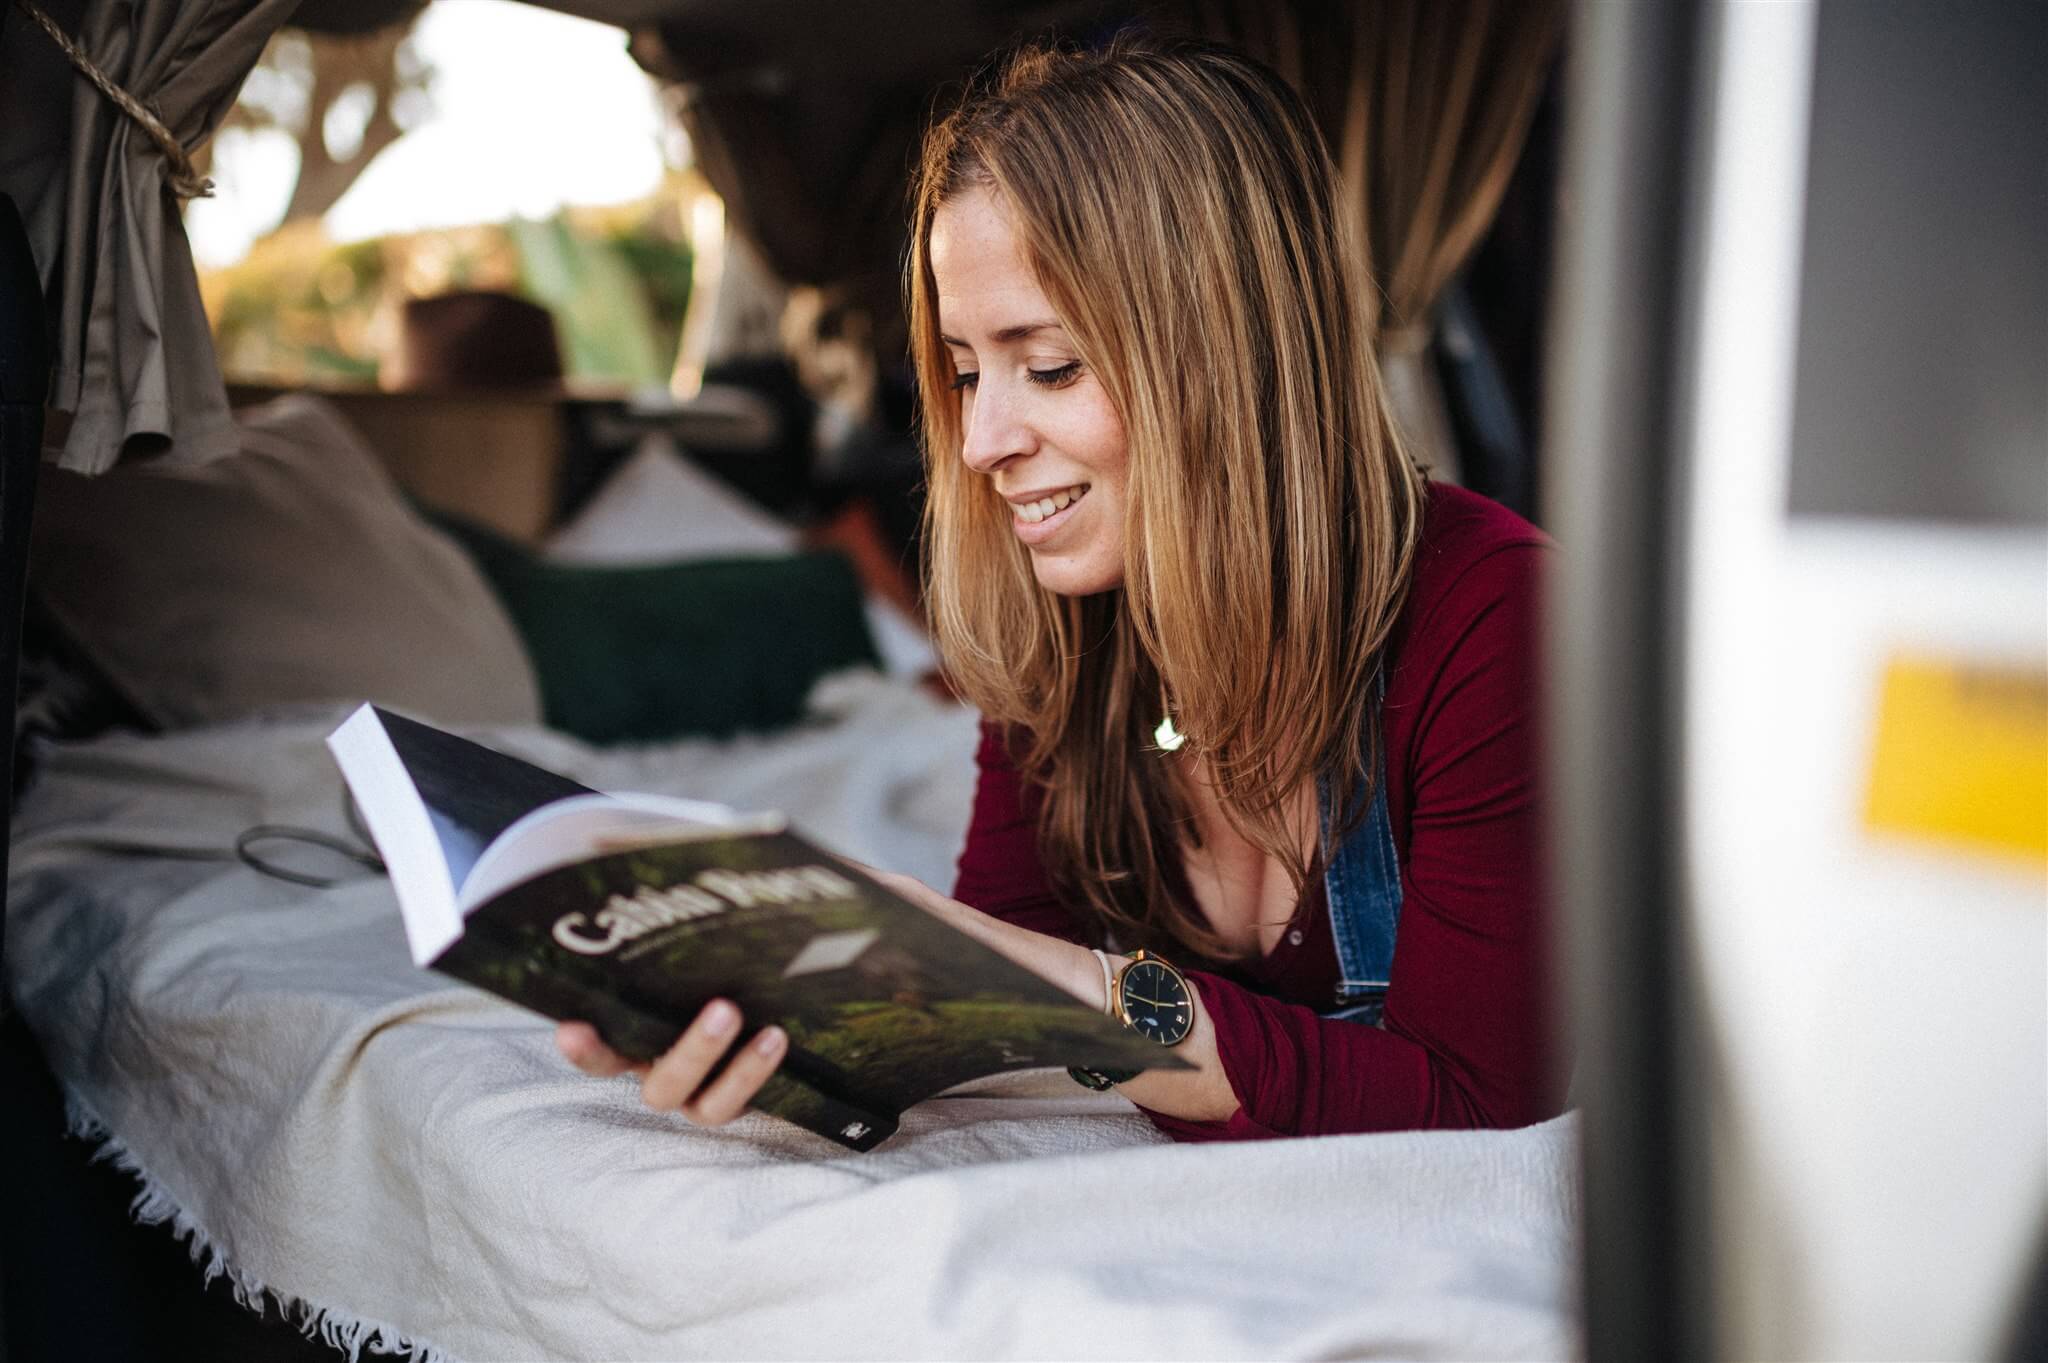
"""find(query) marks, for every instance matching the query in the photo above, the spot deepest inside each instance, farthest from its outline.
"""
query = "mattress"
(406, 1162)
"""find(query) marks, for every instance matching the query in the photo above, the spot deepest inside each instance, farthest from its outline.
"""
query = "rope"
(185, 181)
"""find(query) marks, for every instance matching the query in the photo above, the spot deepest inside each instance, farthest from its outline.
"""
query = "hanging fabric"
(135, 369)
(1425, 105)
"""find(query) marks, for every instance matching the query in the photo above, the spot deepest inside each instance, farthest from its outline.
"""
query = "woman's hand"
(675, 1082)
(1069, 966)
(1200, 1094)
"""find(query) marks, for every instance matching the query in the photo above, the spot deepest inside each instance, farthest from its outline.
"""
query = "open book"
(633, 912)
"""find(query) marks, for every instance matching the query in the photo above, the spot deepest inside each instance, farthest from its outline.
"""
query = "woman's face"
(1035, 421)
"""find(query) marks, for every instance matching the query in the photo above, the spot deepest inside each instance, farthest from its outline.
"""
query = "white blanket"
(407, 1161)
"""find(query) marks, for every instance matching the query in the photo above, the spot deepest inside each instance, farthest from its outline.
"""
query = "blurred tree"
(342, 97)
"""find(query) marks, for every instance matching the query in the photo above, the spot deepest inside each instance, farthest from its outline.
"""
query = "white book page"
(574, 830)
(403, 831)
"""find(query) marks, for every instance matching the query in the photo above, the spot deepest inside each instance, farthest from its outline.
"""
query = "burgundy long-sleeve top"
(1463, 1039)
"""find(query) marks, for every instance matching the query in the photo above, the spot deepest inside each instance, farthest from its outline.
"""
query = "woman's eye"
(964, 380)
(1055, 378)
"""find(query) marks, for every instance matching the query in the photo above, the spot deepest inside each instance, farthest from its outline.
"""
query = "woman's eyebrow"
(1006, 335)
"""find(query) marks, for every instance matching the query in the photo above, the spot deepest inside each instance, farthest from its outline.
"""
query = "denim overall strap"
(1362, 880)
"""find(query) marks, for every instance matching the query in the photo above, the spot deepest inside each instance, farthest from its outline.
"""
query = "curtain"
(1425, 105)
(807, 123)
(135, 367)
(820, 209)
(806, 136)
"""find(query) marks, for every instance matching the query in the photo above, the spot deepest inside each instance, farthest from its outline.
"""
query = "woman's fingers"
(727, 1096)
(586, 1050)
(673, 1082)
(683, 1069)
(920, 894)
(909, 887)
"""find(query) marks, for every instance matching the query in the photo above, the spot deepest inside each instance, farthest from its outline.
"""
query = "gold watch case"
(1165, 1013)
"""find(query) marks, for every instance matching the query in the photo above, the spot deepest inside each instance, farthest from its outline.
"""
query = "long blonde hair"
(1181, 214)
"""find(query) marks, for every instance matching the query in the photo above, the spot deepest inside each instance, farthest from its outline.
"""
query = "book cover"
(884, 1004)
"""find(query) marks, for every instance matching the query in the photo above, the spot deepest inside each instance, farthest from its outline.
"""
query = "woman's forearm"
(1199, 1094)
(1202, 1094)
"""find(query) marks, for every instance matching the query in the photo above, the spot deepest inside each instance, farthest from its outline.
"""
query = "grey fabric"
(135, 362)
(292, 573)
(411, 1159)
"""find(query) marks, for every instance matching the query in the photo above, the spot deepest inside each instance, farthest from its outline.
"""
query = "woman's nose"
(995, 429)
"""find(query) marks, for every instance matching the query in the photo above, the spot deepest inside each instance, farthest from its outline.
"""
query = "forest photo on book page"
(884, 1004)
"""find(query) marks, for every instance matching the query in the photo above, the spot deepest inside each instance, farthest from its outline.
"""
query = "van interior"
(1746, 306)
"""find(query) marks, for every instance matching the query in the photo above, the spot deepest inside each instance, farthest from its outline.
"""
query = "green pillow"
(711, 646)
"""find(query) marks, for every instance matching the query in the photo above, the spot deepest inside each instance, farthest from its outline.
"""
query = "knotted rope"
(185, 181)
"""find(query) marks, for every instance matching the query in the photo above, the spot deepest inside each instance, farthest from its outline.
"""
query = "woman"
(1258, 700)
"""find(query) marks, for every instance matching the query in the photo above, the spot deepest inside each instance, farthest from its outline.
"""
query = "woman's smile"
(1038, 516)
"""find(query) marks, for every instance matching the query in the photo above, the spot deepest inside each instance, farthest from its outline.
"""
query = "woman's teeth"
(1031, 513)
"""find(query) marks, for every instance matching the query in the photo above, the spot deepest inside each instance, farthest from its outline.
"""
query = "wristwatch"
(1151, 998)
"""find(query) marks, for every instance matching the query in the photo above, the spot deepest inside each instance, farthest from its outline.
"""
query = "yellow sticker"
(1962, 755)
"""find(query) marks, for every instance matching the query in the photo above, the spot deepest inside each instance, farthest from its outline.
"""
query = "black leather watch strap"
(1100, 1080)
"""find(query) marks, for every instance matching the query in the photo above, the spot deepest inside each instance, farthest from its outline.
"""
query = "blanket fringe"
(351, 1334)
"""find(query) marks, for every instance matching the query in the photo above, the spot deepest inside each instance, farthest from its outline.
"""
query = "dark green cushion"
(713, 646)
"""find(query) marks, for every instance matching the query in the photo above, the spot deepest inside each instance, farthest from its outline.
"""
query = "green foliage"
(300, 309)
(665, 269)
(601, 313)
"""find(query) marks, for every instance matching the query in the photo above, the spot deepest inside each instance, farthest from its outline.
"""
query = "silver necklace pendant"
(1167, 737)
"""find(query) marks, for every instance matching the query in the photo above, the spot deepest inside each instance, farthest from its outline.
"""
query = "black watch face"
(1156, 1001)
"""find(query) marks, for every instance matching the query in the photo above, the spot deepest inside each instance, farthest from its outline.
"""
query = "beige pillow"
(293, 571)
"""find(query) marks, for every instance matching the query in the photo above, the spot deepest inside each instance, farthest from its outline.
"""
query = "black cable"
(247, 840)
